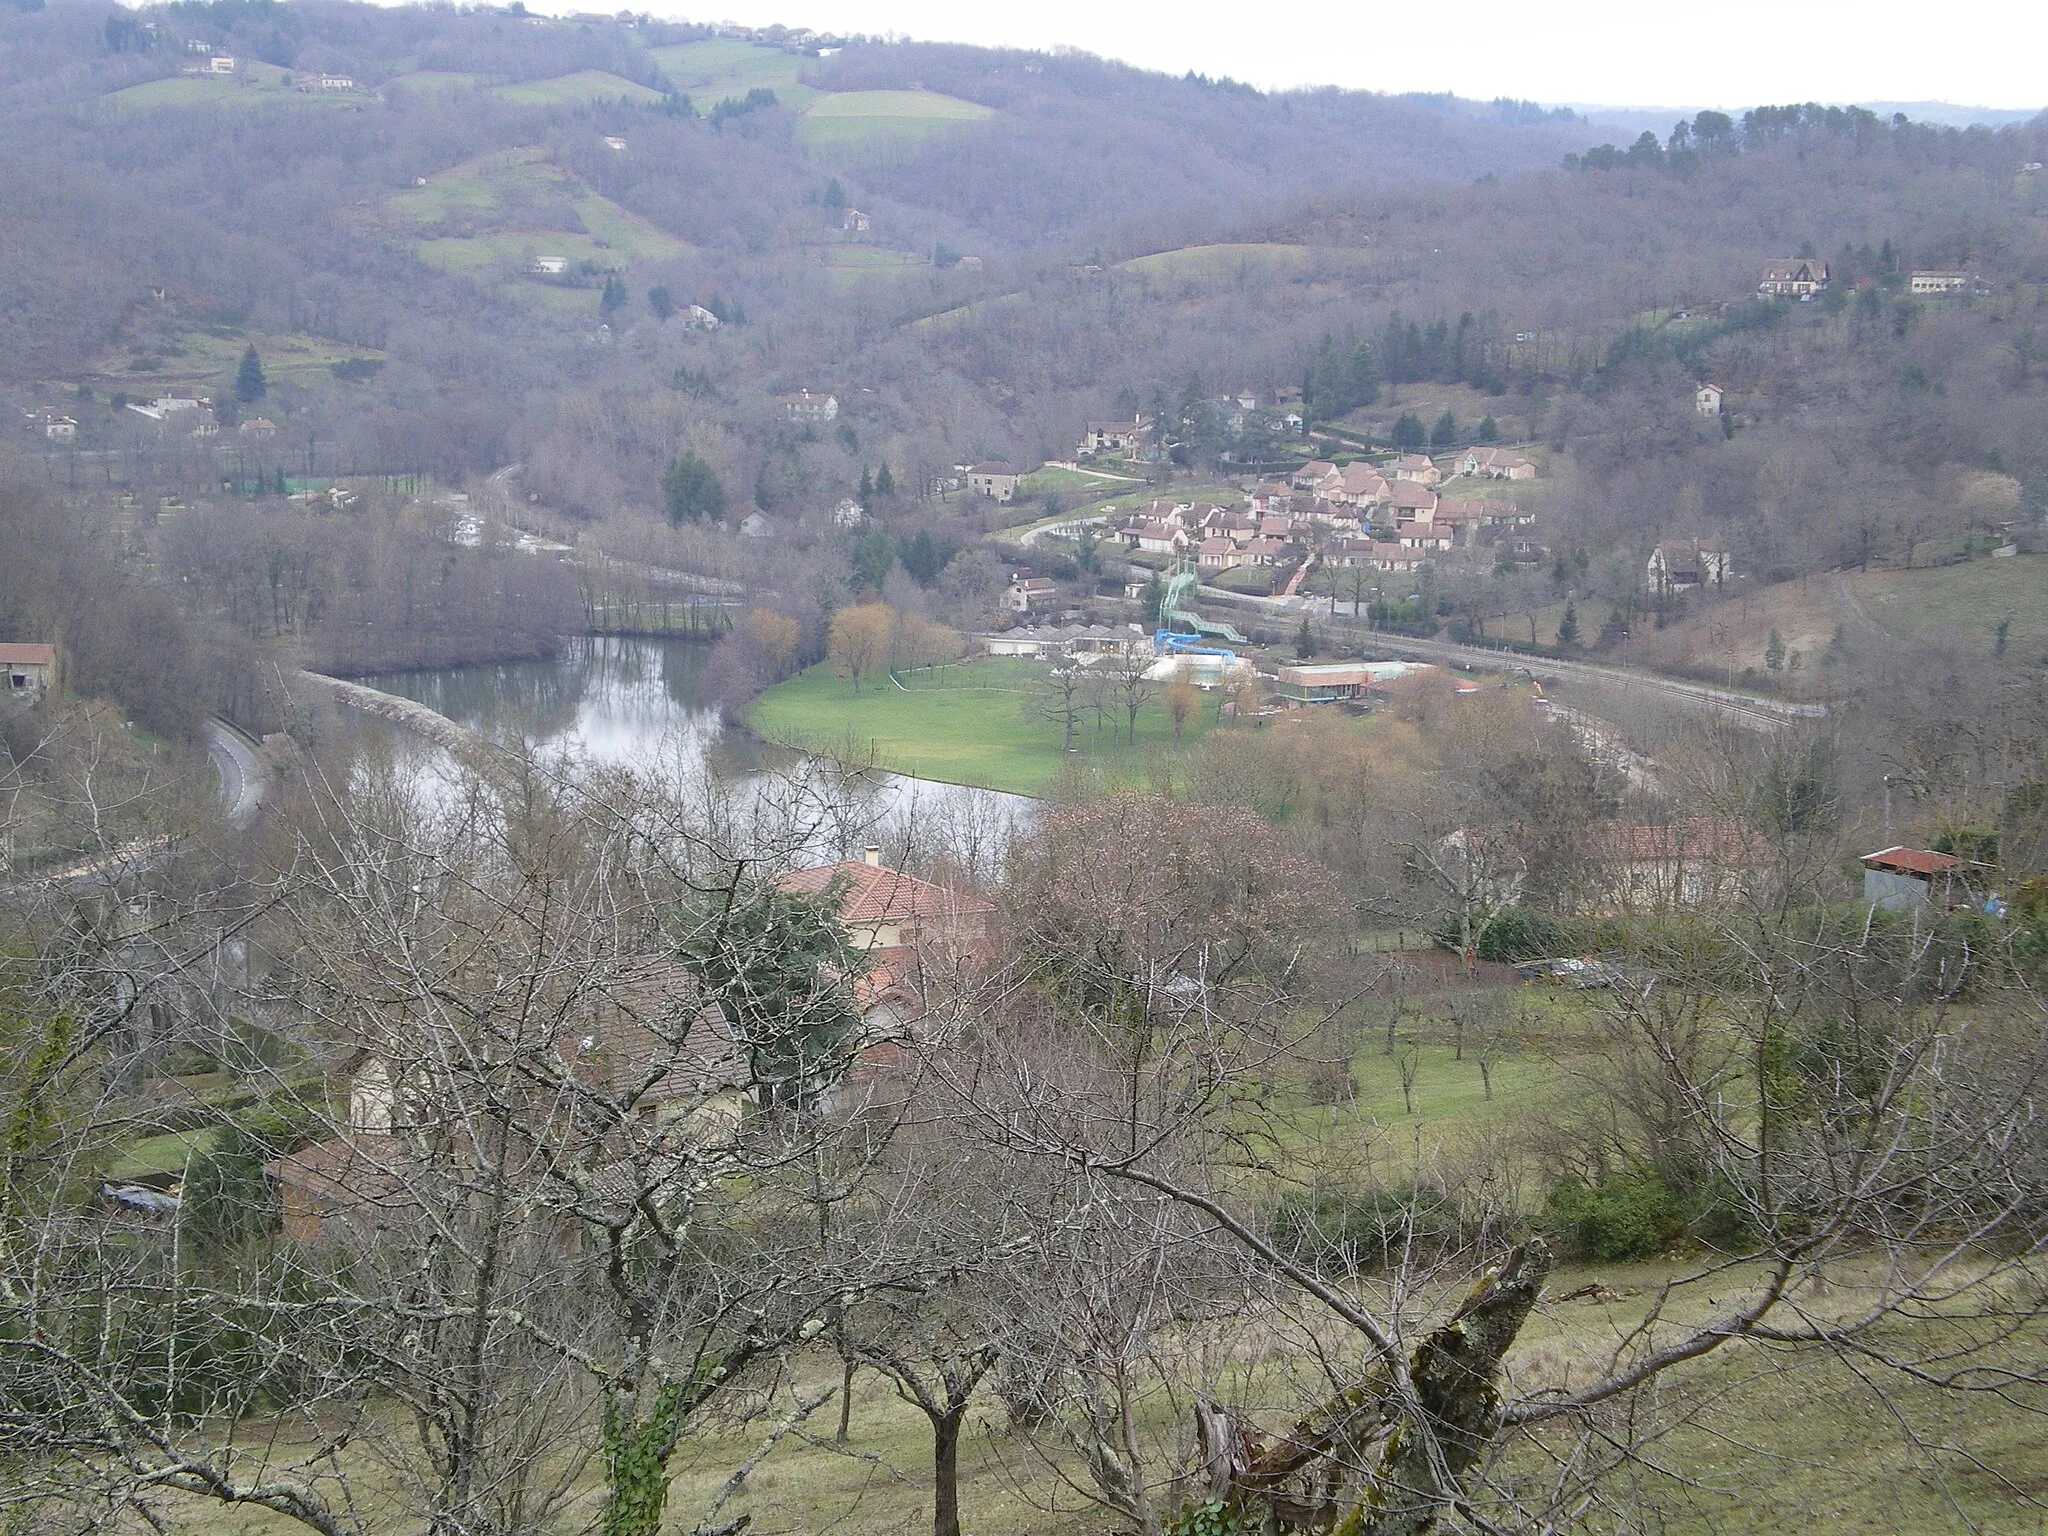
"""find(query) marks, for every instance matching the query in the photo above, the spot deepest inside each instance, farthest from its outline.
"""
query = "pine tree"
(1489, 431)
(885, 483)
(1568, 627)
(1445, 432)
(1774, 652)
(866, 493)
(1305, 642)
(691, 490)
(613, 298)
(249, 381)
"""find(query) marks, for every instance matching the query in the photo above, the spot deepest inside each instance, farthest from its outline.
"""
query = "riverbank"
(982, 725)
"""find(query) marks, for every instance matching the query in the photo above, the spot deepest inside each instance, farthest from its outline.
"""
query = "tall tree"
(691, 490)
(250, 385)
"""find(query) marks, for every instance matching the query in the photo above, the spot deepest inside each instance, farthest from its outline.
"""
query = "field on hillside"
(256, 85)
(852, 124)
(973, 724)
(432, 81)
(1958, 604)
(501, 207)
(1220, 262)
(582, 86)
(723, 68)
(207, 356)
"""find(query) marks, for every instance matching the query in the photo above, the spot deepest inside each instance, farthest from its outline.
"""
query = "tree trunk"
(946, 1471)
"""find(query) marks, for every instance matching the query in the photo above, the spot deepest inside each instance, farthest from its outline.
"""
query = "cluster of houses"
(1394, 517)
(193, 414)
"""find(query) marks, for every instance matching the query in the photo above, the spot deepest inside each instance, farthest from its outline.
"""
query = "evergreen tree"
(873, 553)
(1612, 631)
(1305, 642)
(1774, 652)
(249, 382)
(1489, 431)
(866, 493)
(885, 483)
(924, 557)
(1409, 433)
(613, 298)
(1154, 601)
(1445, 432)
(691, 491)
(1568, 627)
(661, 302)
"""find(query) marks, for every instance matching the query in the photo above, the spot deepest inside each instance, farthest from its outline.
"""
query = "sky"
(1730, 53)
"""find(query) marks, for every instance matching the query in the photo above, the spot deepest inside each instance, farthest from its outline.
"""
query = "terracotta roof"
(1411, 493)
(14, 653)
(1911, 861)
(876, 894)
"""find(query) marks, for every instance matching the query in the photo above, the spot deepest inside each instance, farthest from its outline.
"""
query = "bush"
(1634, 1216)
(1357, 1230)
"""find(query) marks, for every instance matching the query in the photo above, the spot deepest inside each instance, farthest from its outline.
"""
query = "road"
(242, 779)
(1699, 698)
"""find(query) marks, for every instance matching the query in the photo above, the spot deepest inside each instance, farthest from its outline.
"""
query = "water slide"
(1175, 612)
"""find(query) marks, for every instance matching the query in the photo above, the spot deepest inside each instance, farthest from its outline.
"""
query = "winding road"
(242, 777)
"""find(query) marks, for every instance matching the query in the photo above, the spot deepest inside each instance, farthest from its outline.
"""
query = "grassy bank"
(974, 724)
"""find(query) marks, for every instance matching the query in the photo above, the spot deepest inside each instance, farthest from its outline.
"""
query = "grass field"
(1049, 481)
(257, 85)
(208, 356)
(849, 124)
(568, 90)
(491, 210)
(434, 81)
(1958, 605)
(974, 724)
(723, 68)
(1219, 261)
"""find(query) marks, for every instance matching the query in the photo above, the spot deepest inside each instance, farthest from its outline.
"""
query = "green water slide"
(1174, 612)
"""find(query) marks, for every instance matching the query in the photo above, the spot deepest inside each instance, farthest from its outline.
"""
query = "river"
(641, 703)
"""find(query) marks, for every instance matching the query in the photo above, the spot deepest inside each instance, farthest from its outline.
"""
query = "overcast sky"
(1730, 53)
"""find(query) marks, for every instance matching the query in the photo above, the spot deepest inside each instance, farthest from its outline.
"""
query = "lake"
(641, 703)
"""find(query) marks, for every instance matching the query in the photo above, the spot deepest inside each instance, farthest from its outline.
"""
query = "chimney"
(873, 856)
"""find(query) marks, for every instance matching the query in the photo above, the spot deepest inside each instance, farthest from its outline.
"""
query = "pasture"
(585, 85)
(725, 69)
(857, 124)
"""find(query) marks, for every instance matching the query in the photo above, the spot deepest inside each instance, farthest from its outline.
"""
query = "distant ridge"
(1947, 114)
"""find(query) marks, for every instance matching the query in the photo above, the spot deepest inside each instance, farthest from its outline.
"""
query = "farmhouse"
(27, 670)
(996, 480)
(1679, 565)
(808, 408)
(854, 222)
(1707, 399)
(548, 266)
(1800, 278)
(59, 429)
(221, 64)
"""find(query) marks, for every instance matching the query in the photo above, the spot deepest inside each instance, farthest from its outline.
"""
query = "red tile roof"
(877, 894)
(1911, 861)
(13, 654)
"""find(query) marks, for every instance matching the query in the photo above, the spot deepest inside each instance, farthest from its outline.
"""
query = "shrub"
(1358, 1230)
(1633, 1216)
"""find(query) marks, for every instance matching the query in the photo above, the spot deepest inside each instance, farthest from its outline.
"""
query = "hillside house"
(848, 514)
(1707, 399)
(221, 64)
(1799, 278)
(1129, 438)
(1899, 878)
(257, 428)
(1358, 485)
(1265, 551)
(1937, 284)
(1637, 868)
(1680, 565)
(615, 144)
(809, 409)
(548, 266)
(1028, 594)
(854, 222)
(1495, 464)
(996, 480)
(1314, 475)
(1235, 526)
(1417, 467)
(1435, 538)
(697, 316)
(323, 82)
(1156, 538)
(757, 525)
(27, 670)
(59, 429)
(1412, 501)
(1220, 554)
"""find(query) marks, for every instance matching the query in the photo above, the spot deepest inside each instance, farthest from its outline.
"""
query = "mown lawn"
(972, 724)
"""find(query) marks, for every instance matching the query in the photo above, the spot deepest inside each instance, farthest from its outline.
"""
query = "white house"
(700, 317)
(614, 143)
(1938, 283)
(548, 266)
(1707, 399)
(806, 407)
(221, 64)
(848, 514)
(1679, 565)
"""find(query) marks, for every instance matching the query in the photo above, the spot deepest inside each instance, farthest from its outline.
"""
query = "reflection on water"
(641, 704)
